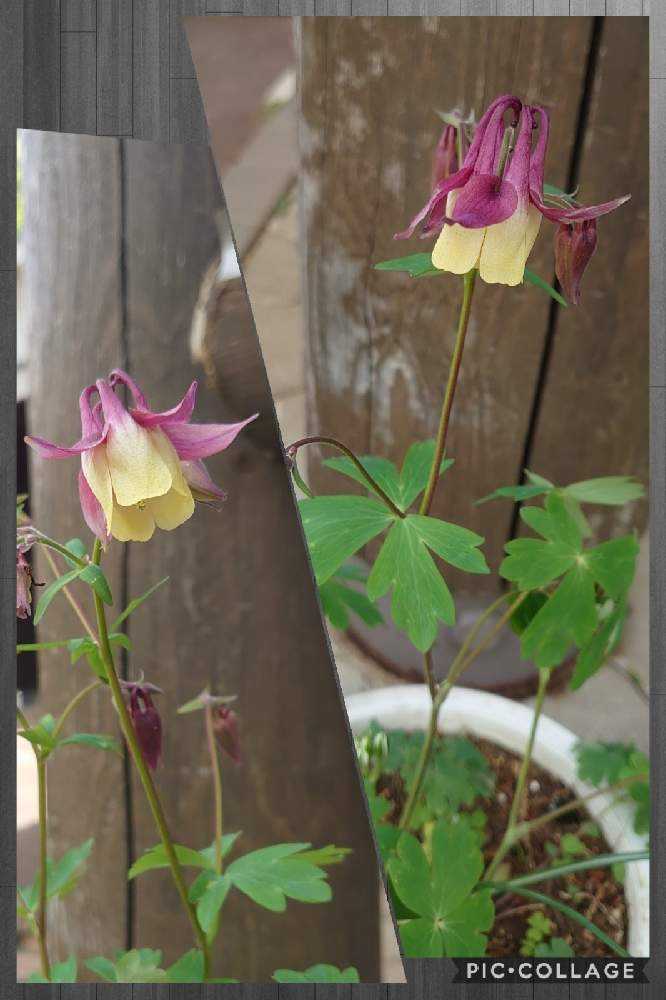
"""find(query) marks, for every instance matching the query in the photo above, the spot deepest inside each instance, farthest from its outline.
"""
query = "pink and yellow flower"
(488, 212)
(140, 470)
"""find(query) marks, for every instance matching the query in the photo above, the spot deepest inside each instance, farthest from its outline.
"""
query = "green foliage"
(317, 974)
(338, 599)
(52, 591)
(189, 968)
(539, 929)
(533, 279)
(140, 965)
(610, 491)
(61, 972)
(450, 915)
(42, 736)
(420, 596)
(137, 602)
(96, 740)
(61, 877)
(570, 615)
(404, 486)
(416, 265)
(557, 947)
(607, 763)
(156, 857)
(338, 526)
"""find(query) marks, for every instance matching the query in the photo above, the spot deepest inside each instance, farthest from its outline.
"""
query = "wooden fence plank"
(73, 325)
(114, 68)
(598, 369)
(151, 98)
(41, 64)
(78, 15)
(181, 60)
(188, 120)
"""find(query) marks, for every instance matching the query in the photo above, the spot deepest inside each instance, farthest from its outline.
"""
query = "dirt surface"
(594, 893)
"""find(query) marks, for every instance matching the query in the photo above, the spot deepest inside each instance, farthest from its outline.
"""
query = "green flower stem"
(370, 480)
(559, 871)
(22, 718)
(144, 774)
(524, 829)
(74, 703)
(429, 674)
(300, 482)
(74, 604)
(465, 657)
(509, 837)
(217, 786)
(421, 766)
(43, 876)
(463, 322)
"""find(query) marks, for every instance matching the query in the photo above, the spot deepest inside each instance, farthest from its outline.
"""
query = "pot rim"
(507, 723)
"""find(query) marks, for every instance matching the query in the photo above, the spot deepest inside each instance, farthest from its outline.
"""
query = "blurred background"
(332, 172)
(126, 259)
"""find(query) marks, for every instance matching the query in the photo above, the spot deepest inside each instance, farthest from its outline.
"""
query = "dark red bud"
(147, 725)
(575, 244)
(225, 727)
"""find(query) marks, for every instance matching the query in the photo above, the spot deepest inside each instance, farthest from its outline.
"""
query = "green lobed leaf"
(451, 916)
(569, 616)
(91, 574)
(317, 974)
(538, 282)
(61, 876)
(594, 653)
(140, 965)
(420, 597)
(557, 947)
(337, 526)
(382, 471)
(612, 491)
(156, 857)
(189, 968)
(402, 487)
(102, 967)
(274, 874)
(338, 600)
(210, 903)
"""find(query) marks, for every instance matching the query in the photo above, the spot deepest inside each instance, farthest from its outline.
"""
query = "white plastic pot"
(507, 723)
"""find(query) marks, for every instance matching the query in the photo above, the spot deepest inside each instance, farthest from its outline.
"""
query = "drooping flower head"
(225, 727)
(488, 213)
(145, 720)
(23, 582)
(575, 243)
(140, 470)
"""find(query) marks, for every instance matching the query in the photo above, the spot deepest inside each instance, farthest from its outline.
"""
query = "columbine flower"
(575, 243)
(225, 727)
(489, 212)
(140, 470)
(145, 719)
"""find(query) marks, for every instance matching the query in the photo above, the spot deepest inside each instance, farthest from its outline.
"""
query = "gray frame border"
(54, 56)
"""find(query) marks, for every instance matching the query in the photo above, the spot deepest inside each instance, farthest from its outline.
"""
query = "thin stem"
(57, 547)
(463, 323)
(517, 803)
(300, 482)
(570, 868)
(370, 480)
(76, 607)
(217, 786)
(421, 766)
(43, 877)
(461, 660)
(22, 718)
(74, 703)
(144, 774)
(429, 674)
(524, 829)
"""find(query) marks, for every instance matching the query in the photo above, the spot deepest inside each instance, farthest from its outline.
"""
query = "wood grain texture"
(598, 368)
(380, 344)
(73, 321)
(114, 67)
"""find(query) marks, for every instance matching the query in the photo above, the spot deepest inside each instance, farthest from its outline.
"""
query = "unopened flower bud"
(574, 245)
(445, 160)
(225, 727)
(146, 721)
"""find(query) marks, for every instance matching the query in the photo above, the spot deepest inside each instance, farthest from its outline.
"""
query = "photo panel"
(450, 283)
(189, 806)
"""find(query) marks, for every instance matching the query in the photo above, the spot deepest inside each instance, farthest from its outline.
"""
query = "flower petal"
(93, 514)
(178, 414)
(98, 479)
(202, 486)
(203, 440)
(132, 524)
(507, 247)
(118, 375)
(170, 458)
(457, 249)
(171, 510)
(47, 449)
(484, 201)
